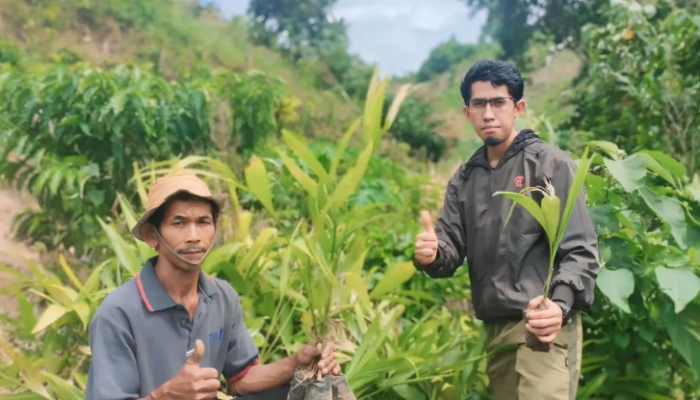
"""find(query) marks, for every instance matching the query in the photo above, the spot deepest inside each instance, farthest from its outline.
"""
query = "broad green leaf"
(220, 254)
(62, 389)
(302, 151)
(408, 392)
(340, 151)
(551, 208)
(262, 242)
(83, 311)
(63, 294)
(50, 315)
(92, 282)
(349, 183)
(528, 204)
(674, 167)
(657, 168)
(26, 312)
(126, 256)
(617, 285)
(393, 278)
(670, 211)
(630, 172)
(611, 148)
(301, 177)
(356, 286)
(684, 329)
(258, 183)
(117, 102)
(680, 284)
(69, 271)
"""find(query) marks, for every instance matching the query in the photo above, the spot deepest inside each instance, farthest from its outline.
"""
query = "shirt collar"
(154, 295)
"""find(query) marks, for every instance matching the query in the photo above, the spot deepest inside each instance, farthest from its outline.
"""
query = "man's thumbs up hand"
(427, 221)
(196, 357)
(426, 241)
(192, 382)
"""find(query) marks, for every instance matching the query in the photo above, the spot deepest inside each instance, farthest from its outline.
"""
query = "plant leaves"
(125, 254)
(69, 271)
(680, 284)
(302, 151)
(340, 151)
(355, 285)
(670, 211)
(674, 167)
(630, 172)
(657, 168)
(617, 285)
(393, 278)
(220, 254)
(609, 147)
(528, 204)
(301, 177)
(349, 183)
(258, 183)
(551, 208)
(50, 315)
(62, 389)
(684, 329)
(83, 311)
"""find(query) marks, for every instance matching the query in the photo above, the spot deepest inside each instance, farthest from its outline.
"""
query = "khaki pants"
(518, 373)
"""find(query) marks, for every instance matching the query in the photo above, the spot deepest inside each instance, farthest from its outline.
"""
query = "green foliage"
(445, 56)
(647, 307)
(72, 135)
(516, 25)
(306, 25)
(416, 126)
(641, 82)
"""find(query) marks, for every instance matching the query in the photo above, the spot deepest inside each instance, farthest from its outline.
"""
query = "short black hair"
(159, 215)
(498, 73)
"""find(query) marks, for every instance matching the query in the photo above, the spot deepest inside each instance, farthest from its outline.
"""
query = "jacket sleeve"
(451, 238)
(577, 257)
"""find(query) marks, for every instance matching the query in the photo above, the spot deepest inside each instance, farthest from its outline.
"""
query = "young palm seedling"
(554, 222)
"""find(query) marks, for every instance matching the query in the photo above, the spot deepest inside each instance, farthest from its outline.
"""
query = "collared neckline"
(154, 295)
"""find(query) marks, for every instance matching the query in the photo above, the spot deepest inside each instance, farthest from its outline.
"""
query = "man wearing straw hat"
(173, 331)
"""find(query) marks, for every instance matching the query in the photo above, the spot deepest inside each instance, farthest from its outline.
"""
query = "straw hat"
(168, 186)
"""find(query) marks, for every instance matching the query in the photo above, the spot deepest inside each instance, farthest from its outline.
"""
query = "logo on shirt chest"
(216, 335)
(519, 181)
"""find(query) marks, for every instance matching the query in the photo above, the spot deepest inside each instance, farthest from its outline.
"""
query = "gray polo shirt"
(140, 337)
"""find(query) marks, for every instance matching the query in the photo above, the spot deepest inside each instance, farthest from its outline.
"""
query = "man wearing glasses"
(508, 264)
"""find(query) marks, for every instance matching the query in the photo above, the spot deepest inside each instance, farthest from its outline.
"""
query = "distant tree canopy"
(513, 23)
(443, 57)
(296, 27)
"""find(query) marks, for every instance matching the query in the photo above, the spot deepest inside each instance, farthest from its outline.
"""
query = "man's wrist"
(160, 393)
(565, 312)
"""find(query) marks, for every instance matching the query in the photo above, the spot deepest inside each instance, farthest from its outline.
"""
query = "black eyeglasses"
(497, 103)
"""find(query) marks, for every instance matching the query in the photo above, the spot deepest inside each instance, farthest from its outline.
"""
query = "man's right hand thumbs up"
(426, 241)
(192, 382)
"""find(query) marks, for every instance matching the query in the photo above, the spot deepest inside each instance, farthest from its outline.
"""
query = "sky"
(396, 34)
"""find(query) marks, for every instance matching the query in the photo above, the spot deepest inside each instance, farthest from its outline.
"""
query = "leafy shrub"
(645, 325)
(641, 81)
(416, 126)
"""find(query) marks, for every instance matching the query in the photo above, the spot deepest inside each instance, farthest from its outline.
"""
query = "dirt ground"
(12, 253)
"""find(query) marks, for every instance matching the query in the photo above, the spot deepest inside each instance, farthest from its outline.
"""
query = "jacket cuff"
(436, 264)
(563, 292)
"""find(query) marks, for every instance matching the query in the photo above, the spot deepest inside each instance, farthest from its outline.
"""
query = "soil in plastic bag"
(328, 388)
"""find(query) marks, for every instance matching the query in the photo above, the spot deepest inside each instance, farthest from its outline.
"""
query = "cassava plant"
(549, 214)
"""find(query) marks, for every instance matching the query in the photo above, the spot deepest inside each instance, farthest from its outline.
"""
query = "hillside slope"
(174, 37)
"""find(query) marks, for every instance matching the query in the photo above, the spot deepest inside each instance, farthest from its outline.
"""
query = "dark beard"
(492, 141)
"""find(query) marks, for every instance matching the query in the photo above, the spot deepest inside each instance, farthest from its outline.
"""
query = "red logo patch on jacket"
(519, 181)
